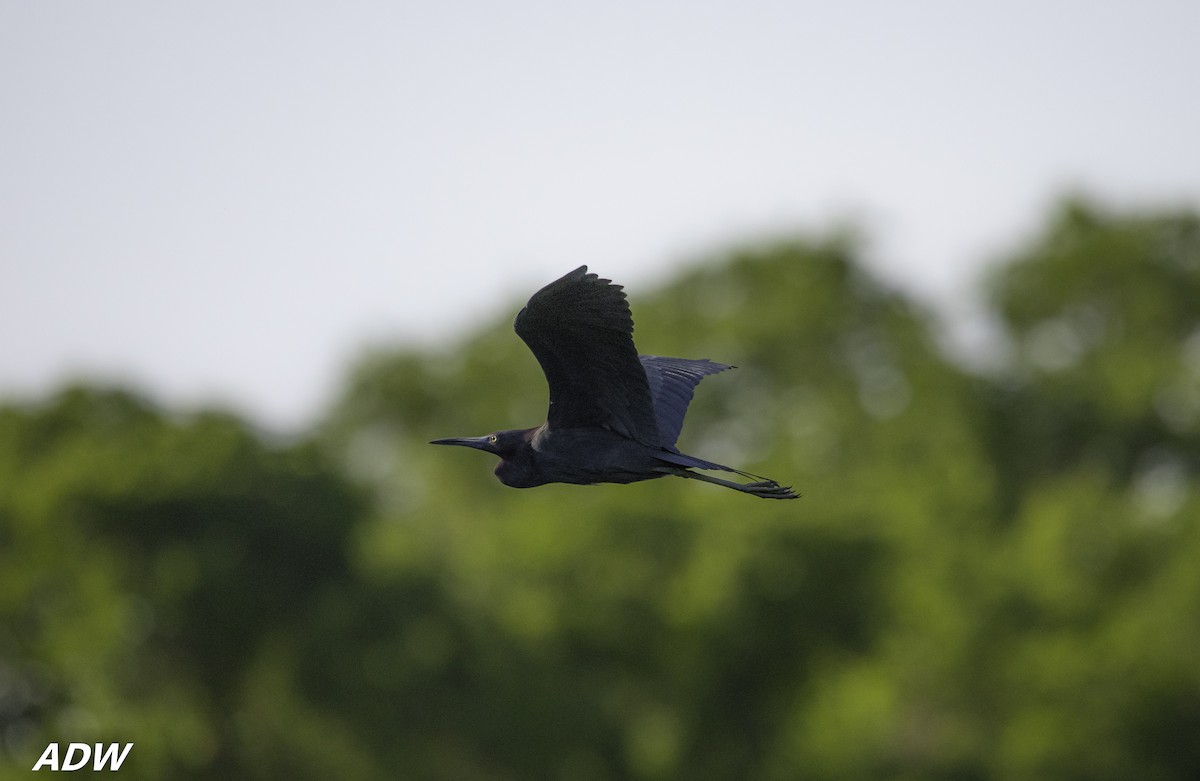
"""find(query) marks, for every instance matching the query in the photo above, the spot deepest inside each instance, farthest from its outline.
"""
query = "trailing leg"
(767, 489)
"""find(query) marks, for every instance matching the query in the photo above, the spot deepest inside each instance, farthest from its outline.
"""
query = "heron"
(614, 415)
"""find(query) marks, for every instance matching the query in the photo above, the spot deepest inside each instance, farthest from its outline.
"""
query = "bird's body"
(614, 415)
(611, 458)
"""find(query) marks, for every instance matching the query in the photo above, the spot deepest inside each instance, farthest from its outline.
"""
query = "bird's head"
(501, 443)
(517, 467)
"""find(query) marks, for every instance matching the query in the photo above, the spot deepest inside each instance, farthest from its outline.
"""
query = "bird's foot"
(769, 489)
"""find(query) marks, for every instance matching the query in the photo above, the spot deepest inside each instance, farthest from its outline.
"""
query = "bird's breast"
(518, 475)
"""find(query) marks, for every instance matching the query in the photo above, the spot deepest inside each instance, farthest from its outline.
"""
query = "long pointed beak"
(479, 443)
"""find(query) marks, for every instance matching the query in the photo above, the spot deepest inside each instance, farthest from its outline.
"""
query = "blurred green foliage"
(990, 576)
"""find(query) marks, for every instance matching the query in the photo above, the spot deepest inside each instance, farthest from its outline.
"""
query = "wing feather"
(581, 331)
(672, 383)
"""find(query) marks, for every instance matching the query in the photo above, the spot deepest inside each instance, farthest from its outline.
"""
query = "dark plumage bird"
(614, 415)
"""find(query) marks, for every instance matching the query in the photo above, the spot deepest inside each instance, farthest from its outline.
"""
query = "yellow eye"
(492, 439)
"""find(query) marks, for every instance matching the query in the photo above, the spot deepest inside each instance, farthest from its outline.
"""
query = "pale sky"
(227, 201)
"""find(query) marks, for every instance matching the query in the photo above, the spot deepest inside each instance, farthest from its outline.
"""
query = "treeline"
(990, 576)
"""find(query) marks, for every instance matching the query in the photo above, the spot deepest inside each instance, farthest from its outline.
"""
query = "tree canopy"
(990, 575)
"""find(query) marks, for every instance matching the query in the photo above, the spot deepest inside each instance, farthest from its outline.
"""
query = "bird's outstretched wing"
(672, 383)
(581, 332)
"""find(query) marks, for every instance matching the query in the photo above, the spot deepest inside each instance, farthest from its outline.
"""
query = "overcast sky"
(225, 201)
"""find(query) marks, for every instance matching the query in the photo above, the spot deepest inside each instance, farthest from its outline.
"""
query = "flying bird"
(614, 415)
